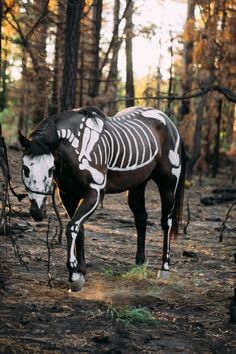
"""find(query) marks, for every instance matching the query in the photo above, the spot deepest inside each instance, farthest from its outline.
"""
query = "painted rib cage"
(128, 144)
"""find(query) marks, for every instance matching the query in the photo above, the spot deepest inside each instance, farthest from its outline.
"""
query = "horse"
(89, 155)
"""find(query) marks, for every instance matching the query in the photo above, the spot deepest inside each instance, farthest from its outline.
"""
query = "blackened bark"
(113, 73)
(72, 38)
(41, 78)
(1, 14)
(129, 59)
(196, 153)
(59, 49)
(97, 21)
(216, 151)
(188, 61)
(171, 79)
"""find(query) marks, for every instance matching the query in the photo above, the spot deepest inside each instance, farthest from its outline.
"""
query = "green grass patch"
(135, 273)
(110, 273)
(139, 273)
(132, 315)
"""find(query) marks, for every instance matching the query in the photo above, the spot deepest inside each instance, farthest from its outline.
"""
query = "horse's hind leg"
(167, 188)
(136, 201)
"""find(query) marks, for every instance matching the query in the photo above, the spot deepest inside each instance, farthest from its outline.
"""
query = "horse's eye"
(50, 171)
(26, 171)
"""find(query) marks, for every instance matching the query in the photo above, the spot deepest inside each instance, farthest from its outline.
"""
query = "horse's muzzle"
(37, 213)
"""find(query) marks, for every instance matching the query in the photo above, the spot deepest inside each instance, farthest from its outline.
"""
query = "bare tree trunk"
(188, 60)
(59, 49)
(112, 76)
(129, 59)
(4, 88)
(170, 84)
(196, 153)
(1, 14)
(159, 76)
(97, 21)
(216, 150)
(23, 104)
(72, 39)
(41, 78)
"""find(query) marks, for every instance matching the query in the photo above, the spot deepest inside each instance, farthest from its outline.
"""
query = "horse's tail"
(179, 193)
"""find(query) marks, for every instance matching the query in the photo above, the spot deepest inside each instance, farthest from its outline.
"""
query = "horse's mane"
(91, 112)
(43, 138)
(37, 147)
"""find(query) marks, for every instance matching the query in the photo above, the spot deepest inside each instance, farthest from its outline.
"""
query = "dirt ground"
(190, 309)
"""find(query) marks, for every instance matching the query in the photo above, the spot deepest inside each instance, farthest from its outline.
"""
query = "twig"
(185, 231)
(57, 215)
(6, 221)
(224, 222)
(49, 254)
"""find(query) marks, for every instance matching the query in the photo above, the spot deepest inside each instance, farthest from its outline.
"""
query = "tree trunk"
(113, 72)
(59, 49)
(97, 21)
(159, 76)
(41, 78)
(188, 59)
(216, 151)
(170, 83)
(196, 153)
(129, 59)
(4, 88)
(72, 39)
(1, 14)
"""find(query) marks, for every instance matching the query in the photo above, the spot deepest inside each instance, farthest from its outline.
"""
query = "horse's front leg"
(75, 239)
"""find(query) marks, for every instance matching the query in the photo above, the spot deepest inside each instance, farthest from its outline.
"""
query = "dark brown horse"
(89, 155)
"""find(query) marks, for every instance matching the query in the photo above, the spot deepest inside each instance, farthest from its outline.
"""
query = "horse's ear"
(23, 140)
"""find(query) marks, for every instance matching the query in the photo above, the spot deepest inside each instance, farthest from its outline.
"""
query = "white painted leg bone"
(77, 282)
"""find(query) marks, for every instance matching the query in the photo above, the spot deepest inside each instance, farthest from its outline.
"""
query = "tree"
(1, 14)
(72, 39)
(129, 86)
(58, 58)
(113, 72)
(97, 21)
(41, 77)
(188, 37)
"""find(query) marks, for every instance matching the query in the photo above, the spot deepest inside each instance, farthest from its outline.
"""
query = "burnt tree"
(72, 38)
(129, 85)
(97, 21)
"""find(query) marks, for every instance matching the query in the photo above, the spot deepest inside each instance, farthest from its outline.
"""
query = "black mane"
(37, 147)
(43, 139)
(91, 112)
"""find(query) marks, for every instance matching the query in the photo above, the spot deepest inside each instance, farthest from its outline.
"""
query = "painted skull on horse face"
(37, 176)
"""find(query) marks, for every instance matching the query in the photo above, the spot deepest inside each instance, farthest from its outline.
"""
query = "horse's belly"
(120, 181)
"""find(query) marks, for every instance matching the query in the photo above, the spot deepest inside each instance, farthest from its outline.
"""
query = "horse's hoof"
(77, 282)
(163, 274)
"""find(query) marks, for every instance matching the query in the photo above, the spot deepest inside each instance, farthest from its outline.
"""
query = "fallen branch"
(223, 226)
(49, 255)
(185, 229)
(57, 215)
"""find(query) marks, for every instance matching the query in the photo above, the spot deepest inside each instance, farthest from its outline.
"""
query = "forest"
(178, 56)
(67, 56)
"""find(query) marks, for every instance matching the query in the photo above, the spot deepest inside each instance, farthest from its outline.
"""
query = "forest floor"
(122, 309)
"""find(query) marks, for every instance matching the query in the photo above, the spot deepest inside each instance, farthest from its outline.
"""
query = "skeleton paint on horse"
(89, 155)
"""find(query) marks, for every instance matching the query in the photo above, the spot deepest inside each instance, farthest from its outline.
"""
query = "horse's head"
(37, 175)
